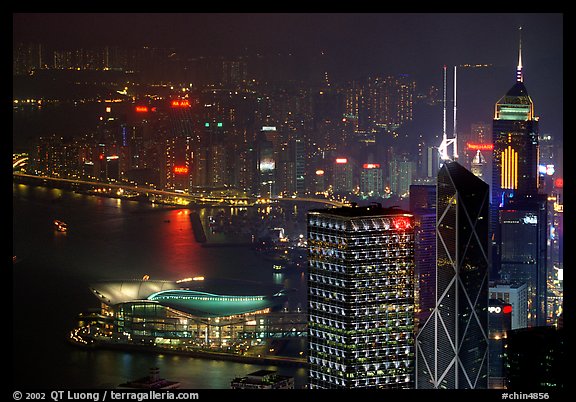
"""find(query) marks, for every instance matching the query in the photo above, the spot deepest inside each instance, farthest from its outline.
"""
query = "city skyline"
(234, 128)
(349, 45)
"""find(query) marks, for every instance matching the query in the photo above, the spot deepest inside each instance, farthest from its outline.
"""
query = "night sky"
(353, 43)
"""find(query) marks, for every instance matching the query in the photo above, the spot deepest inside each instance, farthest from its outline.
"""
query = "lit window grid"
(353, 317)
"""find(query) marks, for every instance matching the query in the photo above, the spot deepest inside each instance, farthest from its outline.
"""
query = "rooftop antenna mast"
(455, 139)
(519, 75)
(443, 148)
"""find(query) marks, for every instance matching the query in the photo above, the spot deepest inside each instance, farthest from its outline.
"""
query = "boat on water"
(60, 226)
(152, 381)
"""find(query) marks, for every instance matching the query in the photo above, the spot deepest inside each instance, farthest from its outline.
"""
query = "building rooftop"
(355, 211)
(203, 298)
(204, 304)
(263, 379)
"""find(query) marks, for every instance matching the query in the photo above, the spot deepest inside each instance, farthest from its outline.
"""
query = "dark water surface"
(111, 239)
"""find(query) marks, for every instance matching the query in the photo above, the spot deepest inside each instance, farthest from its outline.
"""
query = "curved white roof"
(114, 292)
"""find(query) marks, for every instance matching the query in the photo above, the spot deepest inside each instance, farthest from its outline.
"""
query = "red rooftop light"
(401, 223)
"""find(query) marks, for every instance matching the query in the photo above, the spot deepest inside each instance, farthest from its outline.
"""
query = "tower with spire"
(517, 211)
(515, 138)
(519, 77)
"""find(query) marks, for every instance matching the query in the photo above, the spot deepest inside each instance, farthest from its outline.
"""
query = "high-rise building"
(522, 231)
(371, 181)
(535, 359)
(517, 297)
(452, 346)
(361, 298)
(343, 175)
(26, 57)
(478, 165)
(515, 139)
(401, 172)
(515, 153)
(499, 323)
(423, 207)
(479, 139)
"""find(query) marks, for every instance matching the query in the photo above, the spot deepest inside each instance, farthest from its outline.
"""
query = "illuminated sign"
(177, 103)
(559, 183)
(180, 170)
(530, 219)
(319, 172)
(371, 166)
(341, 160)
(268, 128)
(113, 157)
(267, 165)
(500, 310)
(108, 109)
(142, 109)
(479, 146)
(550, 170)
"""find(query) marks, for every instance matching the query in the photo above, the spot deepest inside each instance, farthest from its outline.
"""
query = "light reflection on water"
(111, 239)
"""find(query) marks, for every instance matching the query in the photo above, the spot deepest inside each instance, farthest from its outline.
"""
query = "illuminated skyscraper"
(371, 181)
(343, 175)
(515, 137)
(478, 165)
(452, 346)
(522, 232)
(515, 152)
(499, 323)
(361, 298)
(517, 297)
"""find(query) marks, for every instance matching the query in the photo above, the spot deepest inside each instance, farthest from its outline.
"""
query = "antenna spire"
(443, 148)
(519, 76)
(455, 143)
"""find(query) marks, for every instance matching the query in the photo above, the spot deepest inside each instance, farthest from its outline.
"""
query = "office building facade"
(423, 206)
(517, 297)
(515, 152)
(361, 298)
(452, 346)
(499, 323)
(523, 250)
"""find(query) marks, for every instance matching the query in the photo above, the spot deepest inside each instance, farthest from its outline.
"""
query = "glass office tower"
(452, 346)
(423, 206)
(361, 298)
(523, 250)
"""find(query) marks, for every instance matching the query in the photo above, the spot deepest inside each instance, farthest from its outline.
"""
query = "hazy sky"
(354, 43)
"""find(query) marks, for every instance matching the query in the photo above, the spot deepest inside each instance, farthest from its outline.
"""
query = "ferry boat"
(152, 381)
(60, 225)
